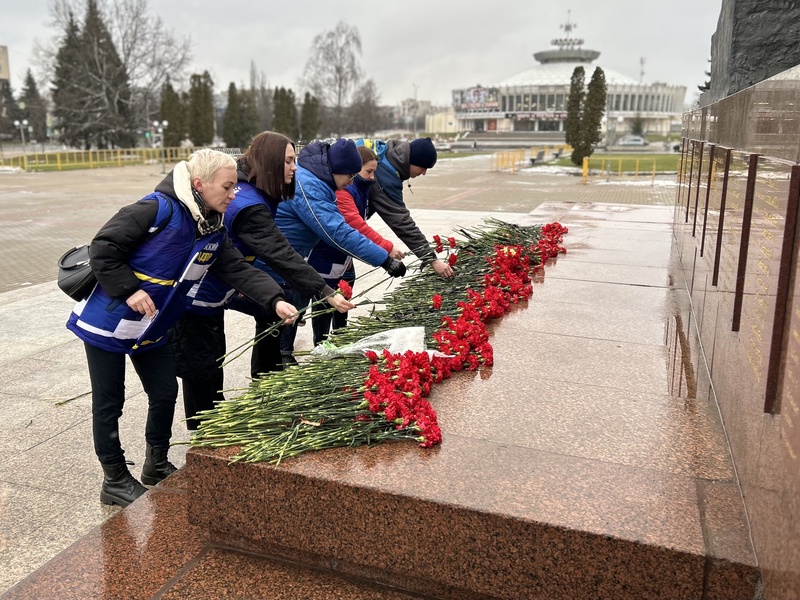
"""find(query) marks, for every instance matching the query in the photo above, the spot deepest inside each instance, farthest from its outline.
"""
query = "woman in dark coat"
(265, 177)
(147, 259)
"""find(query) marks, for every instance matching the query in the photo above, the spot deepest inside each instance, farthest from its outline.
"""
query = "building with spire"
(535, 100)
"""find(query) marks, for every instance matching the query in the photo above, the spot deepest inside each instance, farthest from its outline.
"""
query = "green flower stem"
(320, 403)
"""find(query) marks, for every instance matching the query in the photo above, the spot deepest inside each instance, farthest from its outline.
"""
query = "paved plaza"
(49, 476)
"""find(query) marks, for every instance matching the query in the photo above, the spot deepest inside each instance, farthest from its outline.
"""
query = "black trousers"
(198, 344)
(321, 324)
(107, 375)
(289, 332)
(266, 356)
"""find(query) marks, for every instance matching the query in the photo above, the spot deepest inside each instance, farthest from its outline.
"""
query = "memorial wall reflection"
(736, 240)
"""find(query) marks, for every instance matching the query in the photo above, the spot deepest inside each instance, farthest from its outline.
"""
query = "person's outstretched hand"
(442, 269)
(394, 267)
(286, 312)
(340, 303)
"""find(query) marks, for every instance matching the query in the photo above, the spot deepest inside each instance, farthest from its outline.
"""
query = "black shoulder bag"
(75, 276)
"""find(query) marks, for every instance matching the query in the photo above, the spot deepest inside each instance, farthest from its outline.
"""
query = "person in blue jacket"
(312, 215)
(399, 162)
(146, 259)
(335, 265)
(265, 174)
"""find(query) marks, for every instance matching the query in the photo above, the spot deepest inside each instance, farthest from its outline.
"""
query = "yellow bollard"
(585, 176)
(119, 157)
(58, 161)
(637, 167)
(619, 172)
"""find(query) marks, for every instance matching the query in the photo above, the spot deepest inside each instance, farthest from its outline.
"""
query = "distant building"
(441, 121)
(536, 99)
(5, 72)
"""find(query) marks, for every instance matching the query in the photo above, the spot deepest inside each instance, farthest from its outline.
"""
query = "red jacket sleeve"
(347, 206)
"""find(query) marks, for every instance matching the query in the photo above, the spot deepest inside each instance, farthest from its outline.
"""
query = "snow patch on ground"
(636, 183)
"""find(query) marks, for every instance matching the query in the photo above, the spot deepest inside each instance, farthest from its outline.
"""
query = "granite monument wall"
(754, 40)
(736, 240)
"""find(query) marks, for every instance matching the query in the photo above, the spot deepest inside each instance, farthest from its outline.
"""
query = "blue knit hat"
(344, 158)
(423, 154)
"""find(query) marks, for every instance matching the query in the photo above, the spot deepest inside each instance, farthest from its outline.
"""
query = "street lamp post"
(160, 127)
(22, 125)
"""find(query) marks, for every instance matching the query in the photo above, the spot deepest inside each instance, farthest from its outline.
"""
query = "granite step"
(478, 521)
(149, 551)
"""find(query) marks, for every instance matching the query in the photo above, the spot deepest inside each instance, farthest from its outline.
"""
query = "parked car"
(442, 146)
(632, 140)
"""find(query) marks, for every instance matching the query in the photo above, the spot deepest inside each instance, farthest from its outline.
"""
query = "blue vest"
(331, 262)
(167, 265)
(211, 294)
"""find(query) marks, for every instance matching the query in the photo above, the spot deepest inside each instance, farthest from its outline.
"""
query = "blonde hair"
(206, 162)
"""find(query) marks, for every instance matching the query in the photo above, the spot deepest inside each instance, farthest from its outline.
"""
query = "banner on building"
(476, 98)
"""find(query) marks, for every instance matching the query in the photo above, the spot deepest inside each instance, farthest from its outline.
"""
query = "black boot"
(156, 466)
(119, 486)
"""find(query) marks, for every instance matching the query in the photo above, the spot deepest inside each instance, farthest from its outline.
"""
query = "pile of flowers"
(317, 405)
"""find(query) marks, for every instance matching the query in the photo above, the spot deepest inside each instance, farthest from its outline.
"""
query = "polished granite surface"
(567, 470)
(745, 300)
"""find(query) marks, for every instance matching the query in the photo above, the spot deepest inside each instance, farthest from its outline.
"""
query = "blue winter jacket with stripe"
(312, 215)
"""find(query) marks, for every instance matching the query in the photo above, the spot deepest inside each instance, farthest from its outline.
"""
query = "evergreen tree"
(240, 121)
(172, 111)
(232, 119)
(67, 86)
(250, 124)
(637, 127)
(106, 98)
(575, 106)
(201, 109)
(284, 118)
(8, 111)
(310, 121)
(593, 110)
(35, 109)
(707, 85)
(596, 99)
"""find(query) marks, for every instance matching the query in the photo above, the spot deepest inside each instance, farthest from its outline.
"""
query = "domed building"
(535, 100)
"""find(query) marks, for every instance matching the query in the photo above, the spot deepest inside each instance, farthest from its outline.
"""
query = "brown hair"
(265, 160)
(366, 154)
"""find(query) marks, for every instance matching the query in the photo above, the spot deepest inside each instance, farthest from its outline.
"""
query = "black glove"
(394, 267)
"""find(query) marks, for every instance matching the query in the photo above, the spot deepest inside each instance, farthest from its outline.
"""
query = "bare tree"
(333, 70)
(148, 51)
(365, 114)
(262, 96)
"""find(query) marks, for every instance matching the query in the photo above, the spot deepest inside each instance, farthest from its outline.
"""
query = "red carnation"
(437, 301)
(451, 260)
(452, 242)
(345, 289)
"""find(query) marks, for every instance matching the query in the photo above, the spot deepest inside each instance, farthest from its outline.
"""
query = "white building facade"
(535, 100)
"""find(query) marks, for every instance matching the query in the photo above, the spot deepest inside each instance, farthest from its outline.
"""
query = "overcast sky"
(433, 45)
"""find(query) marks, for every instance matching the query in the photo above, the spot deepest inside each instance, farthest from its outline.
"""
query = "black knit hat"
(423, 154)
(344, 158)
